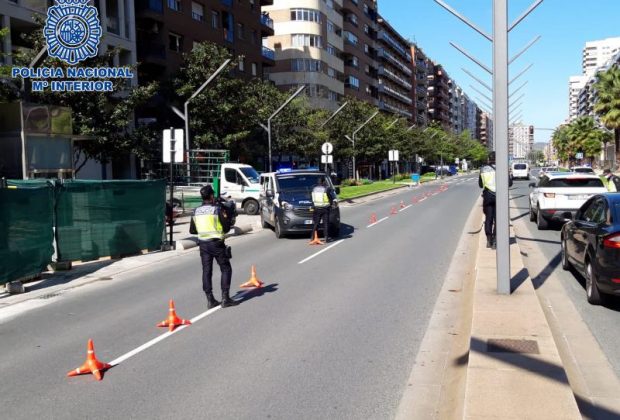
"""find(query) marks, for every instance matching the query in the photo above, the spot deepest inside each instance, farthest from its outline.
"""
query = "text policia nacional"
(40, 74)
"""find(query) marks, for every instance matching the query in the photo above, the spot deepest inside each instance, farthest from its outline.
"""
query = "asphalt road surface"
(603, 321)
(331, 335)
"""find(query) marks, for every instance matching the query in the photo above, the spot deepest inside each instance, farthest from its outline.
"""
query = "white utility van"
(521, 170)
(241, 183)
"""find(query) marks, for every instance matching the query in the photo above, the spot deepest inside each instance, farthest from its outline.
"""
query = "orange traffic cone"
(173, 320)
(254, 280)
(373, 218)
(316, 240)
(402, 204)
(394, 211)
(91, 365)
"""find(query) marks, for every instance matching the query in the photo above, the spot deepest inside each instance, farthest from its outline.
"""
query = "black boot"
(489, 242)
(227, 301)
(494, 243)
(211, 301)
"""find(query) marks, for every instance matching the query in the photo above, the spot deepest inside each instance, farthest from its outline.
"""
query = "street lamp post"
(185, 115)
(267, 128)
(334, 114)
(352, 140)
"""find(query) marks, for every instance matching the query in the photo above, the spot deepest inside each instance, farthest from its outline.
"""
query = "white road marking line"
(405, 208)
(378, 221)
(167, 334)
(321, 251)
(435, 193)
(422, 199)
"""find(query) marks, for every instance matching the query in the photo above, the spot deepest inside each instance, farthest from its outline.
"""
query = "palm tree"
(585, 136)
(607, 104)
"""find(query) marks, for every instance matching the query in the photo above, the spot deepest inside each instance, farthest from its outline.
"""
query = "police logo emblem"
(72, 31)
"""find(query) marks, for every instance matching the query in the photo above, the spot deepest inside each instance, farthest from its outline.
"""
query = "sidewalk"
(514, 369)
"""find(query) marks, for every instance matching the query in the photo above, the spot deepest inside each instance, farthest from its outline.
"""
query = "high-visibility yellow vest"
(488, 179)
(207, 221)
(319, 197)
(609, 184)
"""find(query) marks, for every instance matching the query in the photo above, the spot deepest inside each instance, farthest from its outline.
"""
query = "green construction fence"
(26, 229)
(91, 219)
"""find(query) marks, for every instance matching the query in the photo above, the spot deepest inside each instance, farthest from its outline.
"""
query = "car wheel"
(251, 207)
(532, 214)
(592, 292)
(565, 263)
(278, 229)
(541, 223)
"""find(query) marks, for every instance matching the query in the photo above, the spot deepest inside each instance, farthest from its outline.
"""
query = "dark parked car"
(591, 244)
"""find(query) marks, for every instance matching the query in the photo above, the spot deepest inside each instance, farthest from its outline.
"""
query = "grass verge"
(347, 193)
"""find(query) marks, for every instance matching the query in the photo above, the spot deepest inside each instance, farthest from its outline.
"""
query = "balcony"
(384, 36)
(268, 53)
(395, 94)
(394, 77)
(395, 61)
(384, 106)
(266, 25)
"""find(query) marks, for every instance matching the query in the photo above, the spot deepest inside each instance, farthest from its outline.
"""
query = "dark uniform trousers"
(488, 207)
(210, 249)
(318, 214)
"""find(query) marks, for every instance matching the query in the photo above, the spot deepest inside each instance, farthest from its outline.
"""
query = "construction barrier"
(26, 229)
(108, 218)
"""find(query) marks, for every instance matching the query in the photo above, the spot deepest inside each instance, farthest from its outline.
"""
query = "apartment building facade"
(166, 29)
(439, 96)
(116, 17)
(421, 67)
(308, 47)
(395, 78)
(520, 141)
(360, 31)
(486, 131)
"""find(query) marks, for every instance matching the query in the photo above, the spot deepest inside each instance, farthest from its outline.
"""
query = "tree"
(607, 104)
(582, 135)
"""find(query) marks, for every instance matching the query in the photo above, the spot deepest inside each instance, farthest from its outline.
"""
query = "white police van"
(286, 201)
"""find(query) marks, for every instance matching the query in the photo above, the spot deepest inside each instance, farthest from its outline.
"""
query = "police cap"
(207, 192)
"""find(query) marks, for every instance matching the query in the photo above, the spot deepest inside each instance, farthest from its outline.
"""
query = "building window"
(175, 42)
(240, 31)
(366, 29)
(352, 82)
(254, 69)
(330, 26)
(241, 64)
(306, 40)
(350, 38)
(308, 15)
(252, 4)
(331, 72)
(254, 36)
(305, 64)
(332, 50)
(198, 12)
(332, 96)
(215, 17)
(366, 48)
(352, 18)
(174, 5)
(329, 3)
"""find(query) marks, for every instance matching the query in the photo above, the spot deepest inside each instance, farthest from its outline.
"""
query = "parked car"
(286, 202)
(560, 192)
(591, 244)
(520, 170)
(582, 170)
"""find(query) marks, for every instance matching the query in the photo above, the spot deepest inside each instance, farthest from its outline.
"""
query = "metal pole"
(354, 171)
(500, 126)
(269, 141)
(188, 166)
(172, 152)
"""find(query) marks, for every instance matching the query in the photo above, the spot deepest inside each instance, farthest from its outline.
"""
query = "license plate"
(577, 197)
(307, 222)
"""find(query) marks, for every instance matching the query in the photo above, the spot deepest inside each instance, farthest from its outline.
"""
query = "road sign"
(171, 136)
(327, 159)
(579, 155)
(393, 155)
(456, 161)
(327, 148)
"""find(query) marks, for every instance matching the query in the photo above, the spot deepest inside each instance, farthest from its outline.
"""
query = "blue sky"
(565, 26)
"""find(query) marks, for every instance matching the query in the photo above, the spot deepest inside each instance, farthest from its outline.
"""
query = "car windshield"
(299, 182)
(520, 166)
(251, 174)
(584, 170)
(575, 183)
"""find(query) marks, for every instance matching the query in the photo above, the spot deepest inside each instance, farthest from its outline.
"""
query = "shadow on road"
(541, 368)
(520, 216)
(257, 292)
(546, 241)
(540, 279)
(517, 280)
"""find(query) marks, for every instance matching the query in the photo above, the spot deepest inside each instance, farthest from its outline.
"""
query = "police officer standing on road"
(322, 199)
(611, 181)
(486, 181)
(210, 222)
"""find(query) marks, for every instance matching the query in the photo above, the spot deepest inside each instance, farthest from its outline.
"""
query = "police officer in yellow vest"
(611, 181)
(210, 222)
(322, 199)
(486, 181)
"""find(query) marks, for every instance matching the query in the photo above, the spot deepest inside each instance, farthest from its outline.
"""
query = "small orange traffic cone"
(394, 211)
(254, 280)
(173, 320)
(373, 218)
(91, 365)
(316, 240)
(402, 204)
